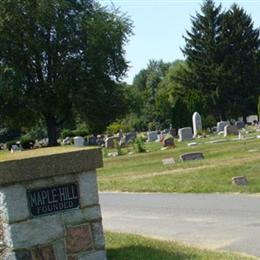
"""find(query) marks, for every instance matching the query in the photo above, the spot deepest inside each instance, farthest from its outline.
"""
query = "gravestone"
(192, 156)
(252, 119)
(67, 141)
(120, 135)
(240, 180)
(197, 125)
(100, 140)
(168, 141)
(130, 137)
(110, 141)
(168, 161)
(192, 144)
(240, 124)
(221, 125)
(50, 206)
(92, 140)
(16, 148)
(152, 136)
(185, 134)
(79, 141)
(230, 130)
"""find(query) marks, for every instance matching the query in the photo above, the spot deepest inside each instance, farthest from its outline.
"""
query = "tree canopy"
(58, 58)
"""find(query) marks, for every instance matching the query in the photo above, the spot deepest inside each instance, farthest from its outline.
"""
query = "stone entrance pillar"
(49, 206)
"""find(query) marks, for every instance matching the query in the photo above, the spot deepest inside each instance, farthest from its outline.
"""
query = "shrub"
(115, 127)
(79, 133)
(66, 133)
(72, 133)
(27, 143)
(139, 145)
(209, 121)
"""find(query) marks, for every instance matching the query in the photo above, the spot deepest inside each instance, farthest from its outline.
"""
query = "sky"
(159, 26)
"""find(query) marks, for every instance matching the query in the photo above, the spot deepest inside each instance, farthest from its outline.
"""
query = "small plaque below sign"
(54, 199)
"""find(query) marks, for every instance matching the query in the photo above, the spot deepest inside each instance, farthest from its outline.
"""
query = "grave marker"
(192, 156)
(185, 134)
(230, 130)
(221, 125)
(152, 136)
(79, 141)
(197, 125)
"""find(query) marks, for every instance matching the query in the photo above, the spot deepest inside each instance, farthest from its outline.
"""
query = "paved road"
(217, 221)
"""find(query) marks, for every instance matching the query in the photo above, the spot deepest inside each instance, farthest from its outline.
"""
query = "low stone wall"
(62, 233)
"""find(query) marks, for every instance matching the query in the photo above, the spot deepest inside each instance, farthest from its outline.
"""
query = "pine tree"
(202, 51)
(239, 43)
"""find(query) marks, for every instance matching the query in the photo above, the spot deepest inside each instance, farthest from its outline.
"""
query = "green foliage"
(105, 152)
(209, 121)
(127, 246)
(27, 143)
(138, 145)
(50, 67)
(37, 132)
(133, 122)
(72, 133)
(118, 147)
(115, 127)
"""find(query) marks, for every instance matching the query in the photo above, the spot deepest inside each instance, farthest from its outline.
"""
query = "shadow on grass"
(142, 252)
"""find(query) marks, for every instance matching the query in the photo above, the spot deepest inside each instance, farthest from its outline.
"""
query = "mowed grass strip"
(134, 247)
(146, 173)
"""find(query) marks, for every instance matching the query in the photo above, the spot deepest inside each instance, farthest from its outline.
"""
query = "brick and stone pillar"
(49, 206)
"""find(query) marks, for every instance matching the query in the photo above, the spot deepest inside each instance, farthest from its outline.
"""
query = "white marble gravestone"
(196, 122)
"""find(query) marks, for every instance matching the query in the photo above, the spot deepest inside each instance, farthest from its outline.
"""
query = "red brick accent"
(79, 238)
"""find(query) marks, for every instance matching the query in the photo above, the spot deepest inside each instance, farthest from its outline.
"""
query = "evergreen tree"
(239, 44)
(202, 51)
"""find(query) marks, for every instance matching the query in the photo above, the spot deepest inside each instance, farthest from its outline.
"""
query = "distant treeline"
(220, 77)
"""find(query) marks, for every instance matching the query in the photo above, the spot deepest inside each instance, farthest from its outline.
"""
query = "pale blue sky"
(160, 25)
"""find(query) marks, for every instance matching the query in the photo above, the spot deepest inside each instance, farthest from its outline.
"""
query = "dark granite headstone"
(192, 156)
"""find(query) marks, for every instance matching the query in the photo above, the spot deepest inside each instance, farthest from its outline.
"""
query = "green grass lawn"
(144, 172)
(132, 247)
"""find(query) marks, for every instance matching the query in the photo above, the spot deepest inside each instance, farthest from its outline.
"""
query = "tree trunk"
(52, 131)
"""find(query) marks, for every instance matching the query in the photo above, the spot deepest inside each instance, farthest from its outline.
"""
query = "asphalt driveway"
(216, 221)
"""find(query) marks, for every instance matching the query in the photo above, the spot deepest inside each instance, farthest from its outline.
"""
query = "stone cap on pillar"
(48, 162)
